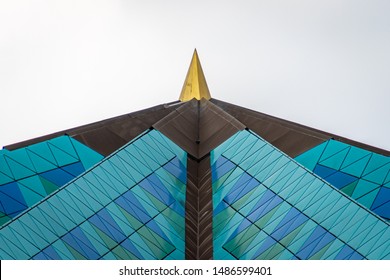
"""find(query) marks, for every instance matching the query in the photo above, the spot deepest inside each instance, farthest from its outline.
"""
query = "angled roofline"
(244, 114)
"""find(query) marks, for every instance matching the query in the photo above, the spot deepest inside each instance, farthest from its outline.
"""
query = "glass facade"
(362, 175)
(267, 206)
(129, 206)
(30, 174)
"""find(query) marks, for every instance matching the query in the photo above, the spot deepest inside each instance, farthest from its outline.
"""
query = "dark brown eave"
(291, 138)
(108, 135)
(198, 127)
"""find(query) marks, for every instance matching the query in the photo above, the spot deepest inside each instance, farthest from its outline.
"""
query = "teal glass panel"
(267, 206)
(28, 175)
(358, 173)
(108, 214)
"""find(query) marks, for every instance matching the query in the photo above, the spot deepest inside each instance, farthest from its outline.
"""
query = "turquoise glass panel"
(267, 206)
(28, 175)
(358, 173)
(107, 213)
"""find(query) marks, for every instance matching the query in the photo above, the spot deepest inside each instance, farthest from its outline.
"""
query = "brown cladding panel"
(106, 136)
(198, 127)
(199, 210)
(181, 126)
(101, 140)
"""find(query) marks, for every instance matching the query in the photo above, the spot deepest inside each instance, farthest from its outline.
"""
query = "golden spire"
(195, 85)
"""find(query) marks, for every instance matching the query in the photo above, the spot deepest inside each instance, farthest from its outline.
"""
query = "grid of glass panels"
(363, 175)
(27, 175)
(267, 206)
(129, 206)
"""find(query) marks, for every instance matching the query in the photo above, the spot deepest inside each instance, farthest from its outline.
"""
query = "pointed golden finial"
(195, 85)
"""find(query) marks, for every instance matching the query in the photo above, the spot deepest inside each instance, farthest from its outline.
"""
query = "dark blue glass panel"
(131, 204)
(244, 185)
(267, 243)
(178, 208)
(242, 226)
(221, 206)
(40, 256)
(57, 176)
(104, 226)
(75, 169)
(311, 242)
(154, 186)
(156, 228)
(12, 199)
(323, 171)
(382, 197)
(221, 167)
(110, 223)
(384, 210)
(322, 242)
(129, 246)
(267, 202)
(176, 169)
(71, 241)
(49, 251)
(340, 179)
(84, 243)
(291, 221)
(356, 256)
(345, 253)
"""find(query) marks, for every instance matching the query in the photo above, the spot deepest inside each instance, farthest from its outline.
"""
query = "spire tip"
(195, 85)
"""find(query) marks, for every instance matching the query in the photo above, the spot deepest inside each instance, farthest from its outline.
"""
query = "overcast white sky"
(323, 63)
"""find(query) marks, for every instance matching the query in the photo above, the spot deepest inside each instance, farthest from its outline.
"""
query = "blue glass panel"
(241, 227)
(155, 227)
(384, 210)
(244, 185)
(128, 245)
(57, 176)
(324, 241)
(176, 170)
(221, 167)
(323, 171)
(52, 253)
(290, 222)
(74, 169)
(382, 197)
(309, 217)
(370, 170)
(344, 253)
(154, 186)
(340, 179)
(131, 204)
(164, 191)
(221, 206)
(268, 242)
(41, 256)
(11, 199)
(356, 256)
(83, 243)
(268, 202)
(311, 242)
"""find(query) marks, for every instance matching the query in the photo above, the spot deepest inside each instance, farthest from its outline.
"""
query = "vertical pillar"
(199, 210)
